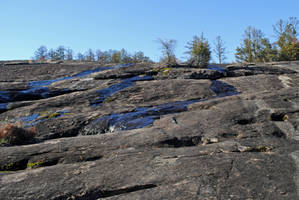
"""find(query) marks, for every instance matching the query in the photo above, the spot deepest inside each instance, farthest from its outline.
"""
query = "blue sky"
(132, 24)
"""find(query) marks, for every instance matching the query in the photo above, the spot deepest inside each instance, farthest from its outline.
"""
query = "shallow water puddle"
(38, 89)
(144, 116)
(36, 118)
(126, 83)
(217, 68)
(3, 107)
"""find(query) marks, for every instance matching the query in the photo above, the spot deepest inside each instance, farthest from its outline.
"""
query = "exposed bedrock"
(146, 131)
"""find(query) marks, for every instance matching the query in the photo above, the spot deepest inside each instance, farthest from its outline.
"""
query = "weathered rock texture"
(148, 132)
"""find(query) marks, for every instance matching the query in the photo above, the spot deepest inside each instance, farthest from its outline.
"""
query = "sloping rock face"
(149, 132)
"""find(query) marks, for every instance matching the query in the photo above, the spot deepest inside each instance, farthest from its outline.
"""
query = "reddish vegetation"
(15, 134)
(295, 41)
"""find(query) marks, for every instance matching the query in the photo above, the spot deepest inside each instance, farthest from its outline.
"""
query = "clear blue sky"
(131, 24)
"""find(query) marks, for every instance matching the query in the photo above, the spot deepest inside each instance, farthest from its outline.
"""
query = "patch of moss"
(31, 165)
(109, 99)
(166, 71)
(156, 69)
(285, 118)
(264, 149)
(3, 141)
(53, 115)
(44, 114)
(9, 166)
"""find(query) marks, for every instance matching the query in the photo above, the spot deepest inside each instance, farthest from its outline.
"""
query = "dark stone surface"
(155, 133)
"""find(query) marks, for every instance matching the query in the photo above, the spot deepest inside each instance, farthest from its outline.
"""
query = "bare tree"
(98, 55)
(89, 55)
(125, 57)
(103, 57)
(219, 49)
(168, 47)
(69, 54)
(52, 54)
(139, 57)
(60, 51)
(80, 57)
(41, 53)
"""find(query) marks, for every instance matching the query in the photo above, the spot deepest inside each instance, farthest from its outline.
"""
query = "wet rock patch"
(175, 136)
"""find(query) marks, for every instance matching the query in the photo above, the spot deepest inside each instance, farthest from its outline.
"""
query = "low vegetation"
(167, 49)
(15, 134)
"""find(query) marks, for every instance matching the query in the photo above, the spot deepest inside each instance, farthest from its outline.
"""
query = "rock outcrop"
(145, 131)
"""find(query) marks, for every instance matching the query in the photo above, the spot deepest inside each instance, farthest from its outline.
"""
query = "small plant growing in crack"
(109, 99)
(34, 164)
(16, 134)
(54, 115)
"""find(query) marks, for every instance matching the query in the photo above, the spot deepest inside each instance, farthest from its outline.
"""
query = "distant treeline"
(254, 47)
(110, 56)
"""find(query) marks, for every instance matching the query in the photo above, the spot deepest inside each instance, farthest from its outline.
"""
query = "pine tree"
(286, 33)
(255, 47)
(116, 57)
(199, 51)
(268, 52)
(139, 57)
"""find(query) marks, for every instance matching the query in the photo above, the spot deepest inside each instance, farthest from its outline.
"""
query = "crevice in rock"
(237, 71)
(230, 170)
(15, 166)
(125, 75)
(278, 117)
(279, 134)
(246, 121)
(96, 194)
(3, 107)
(229, 135)
(49, 163)
(25, 164)
(282, 116)
(29, 164)
(78, 158)
(182, 142)
(32, 94)
(258, 149)
(93, 158)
